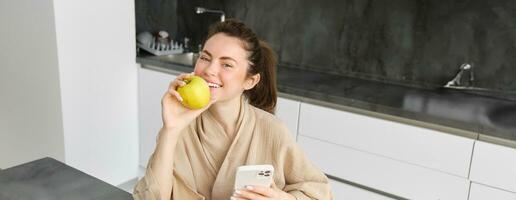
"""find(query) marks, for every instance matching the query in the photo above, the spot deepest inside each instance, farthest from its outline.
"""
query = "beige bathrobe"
(205, 159)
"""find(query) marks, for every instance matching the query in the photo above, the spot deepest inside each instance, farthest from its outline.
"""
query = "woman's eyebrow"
(207, 52)
(222, 58)
(228, 58)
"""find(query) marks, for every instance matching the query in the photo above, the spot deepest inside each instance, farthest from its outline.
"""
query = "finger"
(165, 100)
(247, 194)
(176, 83)
(184, 76)
(264, 191)
(176, 94)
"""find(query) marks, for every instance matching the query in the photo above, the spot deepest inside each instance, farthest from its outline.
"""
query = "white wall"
(30, 105)
(96, 51)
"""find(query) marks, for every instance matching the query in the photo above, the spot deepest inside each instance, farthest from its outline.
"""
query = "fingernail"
(233, 198)
(238, 192)
(249, 187)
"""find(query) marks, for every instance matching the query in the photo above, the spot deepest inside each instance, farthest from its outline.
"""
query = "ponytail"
(264, 94)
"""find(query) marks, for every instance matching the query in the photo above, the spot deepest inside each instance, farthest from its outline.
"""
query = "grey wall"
(155, 15)
(177, 17)
(30, 105)
(416, 42)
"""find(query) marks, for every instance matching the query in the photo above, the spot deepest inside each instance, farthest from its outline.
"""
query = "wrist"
(168, 133)
(168, 129)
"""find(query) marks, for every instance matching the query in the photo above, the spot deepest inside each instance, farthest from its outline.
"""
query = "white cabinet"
(152, 85)
(391, 176)
(349, 192)
(411, 144)
(494, 165)
(482, 192)
(288, 111)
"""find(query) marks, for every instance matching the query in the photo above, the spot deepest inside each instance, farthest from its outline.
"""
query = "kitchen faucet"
(200, 10)
(456, 82)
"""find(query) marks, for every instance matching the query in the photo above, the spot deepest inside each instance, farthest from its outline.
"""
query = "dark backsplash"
(420, 43)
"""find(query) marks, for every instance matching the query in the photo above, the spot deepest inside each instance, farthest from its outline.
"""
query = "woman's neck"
(226, 113)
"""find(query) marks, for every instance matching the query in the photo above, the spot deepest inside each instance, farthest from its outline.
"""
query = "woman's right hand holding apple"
(176, 116)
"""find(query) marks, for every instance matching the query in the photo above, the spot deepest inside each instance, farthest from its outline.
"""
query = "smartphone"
(254, 175)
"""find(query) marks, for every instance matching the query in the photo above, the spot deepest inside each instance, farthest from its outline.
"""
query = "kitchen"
(364, 80)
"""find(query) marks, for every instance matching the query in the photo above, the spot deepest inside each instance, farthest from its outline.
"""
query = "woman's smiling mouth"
(214, 85)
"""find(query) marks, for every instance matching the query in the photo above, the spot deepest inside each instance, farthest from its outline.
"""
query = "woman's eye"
(204, 58)
(228, 65)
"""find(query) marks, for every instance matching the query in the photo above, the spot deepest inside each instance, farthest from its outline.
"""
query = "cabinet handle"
(370, 189)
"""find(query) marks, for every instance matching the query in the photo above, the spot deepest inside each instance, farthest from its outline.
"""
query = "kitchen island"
(48, 178)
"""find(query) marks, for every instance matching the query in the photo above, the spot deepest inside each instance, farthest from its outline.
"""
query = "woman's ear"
(250, 82)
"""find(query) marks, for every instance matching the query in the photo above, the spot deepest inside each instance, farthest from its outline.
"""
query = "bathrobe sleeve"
(302, 179)
(147, 187)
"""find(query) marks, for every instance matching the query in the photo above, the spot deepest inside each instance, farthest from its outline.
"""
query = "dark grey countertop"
(487, 115)
(50, 179)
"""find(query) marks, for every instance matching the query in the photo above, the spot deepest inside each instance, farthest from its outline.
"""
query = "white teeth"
(214, 85)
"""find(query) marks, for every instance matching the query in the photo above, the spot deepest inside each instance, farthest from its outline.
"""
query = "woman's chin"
(213, 94)
(213, 90)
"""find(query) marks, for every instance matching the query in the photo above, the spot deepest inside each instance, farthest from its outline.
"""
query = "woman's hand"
(261, 193)
(174, 114)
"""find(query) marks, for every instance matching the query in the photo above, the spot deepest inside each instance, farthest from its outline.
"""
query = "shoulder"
(271, 124)
(266, 117)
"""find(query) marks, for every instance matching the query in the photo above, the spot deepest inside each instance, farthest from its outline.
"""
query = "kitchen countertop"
(48, 178)
(482, 117)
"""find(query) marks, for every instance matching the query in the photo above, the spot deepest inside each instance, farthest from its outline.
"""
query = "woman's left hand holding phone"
(261, 193)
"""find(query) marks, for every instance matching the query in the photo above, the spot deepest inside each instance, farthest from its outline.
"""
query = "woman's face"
(223, 64)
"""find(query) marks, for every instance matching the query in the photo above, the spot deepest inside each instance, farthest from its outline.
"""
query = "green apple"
(196, 92)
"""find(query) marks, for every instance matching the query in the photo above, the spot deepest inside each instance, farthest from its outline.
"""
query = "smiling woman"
(198, 151)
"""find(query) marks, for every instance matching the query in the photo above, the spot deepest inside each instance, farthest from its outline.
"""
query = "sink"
(491, 93)
(187, 59)
(463, 105)
(503, 116)
(448, 105)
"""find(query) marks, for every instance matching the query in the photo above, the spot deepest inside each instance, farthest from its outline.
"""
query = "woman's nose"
(211, 69)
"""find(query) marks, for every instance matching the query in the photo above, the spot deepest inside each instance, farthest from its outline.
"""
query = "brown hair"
(263, 61)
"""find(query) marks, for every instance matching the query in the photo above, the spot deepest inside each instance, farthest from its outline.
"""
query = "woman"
(198, 151)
